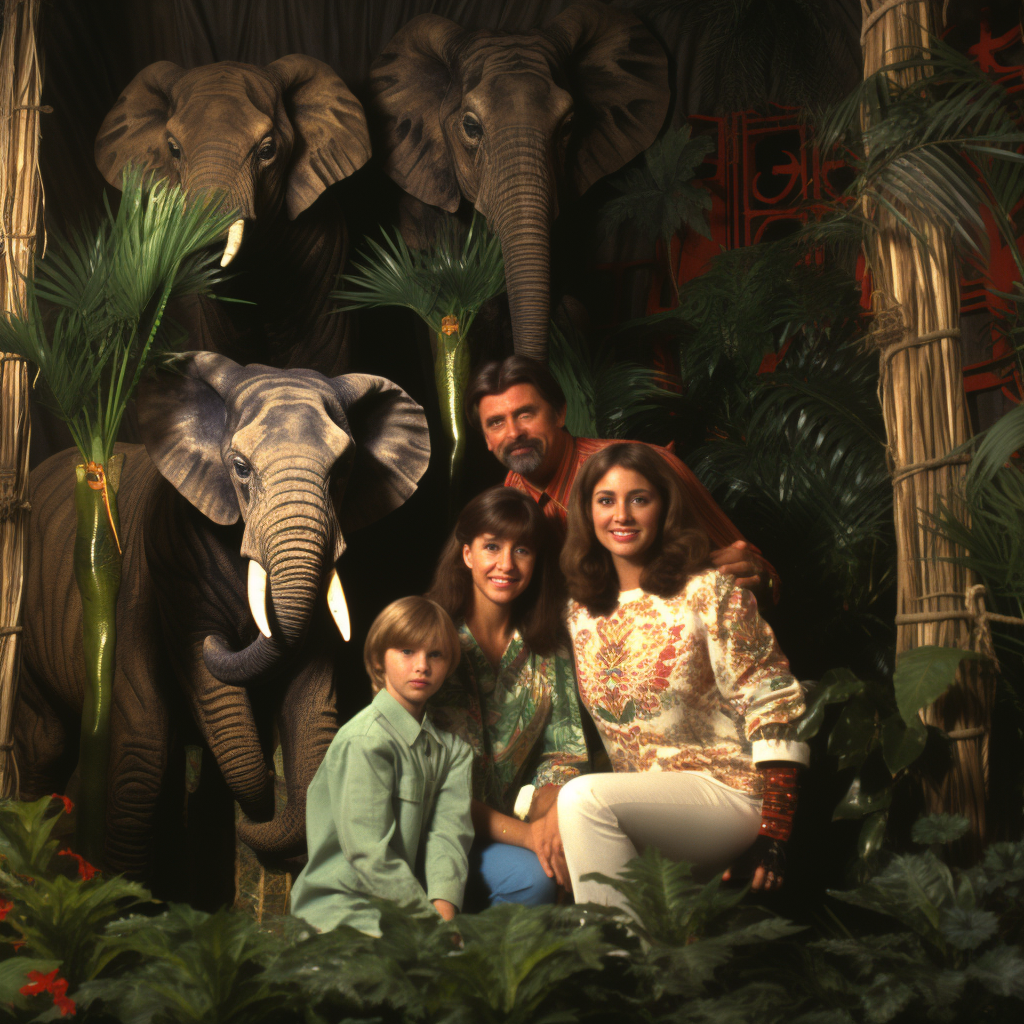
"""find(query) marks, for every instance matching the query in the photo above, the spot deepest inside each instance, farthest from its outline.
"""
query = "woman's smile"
(501, 568)
(627, 512)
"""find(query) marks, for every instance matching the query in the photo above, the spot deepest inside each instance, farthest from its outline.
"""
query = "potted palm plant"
(92, 322)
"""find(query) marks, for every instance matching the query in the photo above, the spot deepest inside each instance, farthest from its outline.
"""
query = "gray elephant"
(227, 620)
(503, 121)
(271, 140)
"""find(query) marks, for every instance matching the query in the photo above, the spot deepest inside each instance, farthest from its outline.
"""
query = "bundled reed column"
(916, 292)
(20, 202)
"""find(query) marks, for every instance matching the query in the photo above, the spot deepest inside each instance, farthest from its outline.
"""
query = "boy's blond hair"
(409, 622)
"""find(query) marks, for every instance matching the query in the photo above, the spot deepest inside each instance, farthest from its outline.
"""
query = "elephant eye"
(472, 127)
(267, 149)
(566, 128)
(174, 148)
(242, 469)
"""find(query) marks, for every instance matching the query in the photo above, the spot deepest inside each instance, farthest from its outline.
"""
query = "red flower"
(67, 1006)
(57, 987)
(6, 906)
(40, 983)
(68, 805)
(85, 869)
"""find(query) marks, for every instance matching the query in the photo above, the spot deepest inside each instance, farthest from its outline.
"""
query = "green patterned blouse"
(534, 732)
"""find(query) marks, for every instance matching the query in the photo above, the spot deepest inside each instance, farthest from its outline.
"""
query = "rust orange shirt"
(554, 498)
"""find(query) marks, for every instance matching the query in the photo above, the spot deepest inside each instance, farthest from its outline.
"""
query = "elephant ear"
(331, 137)
(409, 83)
(392, 448)
(617, 73)
(135, 130)
(182, 419)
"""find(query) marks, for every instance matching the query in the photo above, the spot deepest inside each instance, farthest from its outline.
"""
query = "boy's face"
(413, 675)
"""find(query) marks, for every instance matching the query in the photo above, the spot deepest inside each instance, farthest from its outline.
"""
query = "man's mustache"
(521, 442)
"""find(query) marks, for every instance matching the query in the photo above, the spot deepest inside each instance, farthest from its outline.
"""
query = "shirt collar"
(404, 724)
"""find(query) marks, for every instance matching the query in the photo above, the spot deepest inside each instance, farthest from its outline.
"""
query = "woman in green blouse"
(513, 697)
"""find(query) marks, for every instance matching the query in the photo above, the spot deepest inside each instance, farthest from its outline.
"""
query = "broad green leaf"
(968, 928)
(14, 974)
(872, 834)
(855, 734)
(836, 685)
(856, 803)
(924, 674)
(1000, 970)
(939, 828)
(902, 743)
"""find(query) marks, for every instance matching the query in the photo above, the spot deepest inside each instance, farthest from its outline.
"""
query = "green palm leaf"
(454, 277)
(93, 316)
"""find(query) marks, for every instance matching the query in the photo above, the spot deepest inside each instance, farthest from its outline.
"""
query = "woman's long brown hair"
(679, 550)
(507, 514)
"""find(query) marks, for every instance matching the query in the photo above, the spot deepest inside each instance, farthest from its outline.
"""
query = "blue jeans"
(499, 873)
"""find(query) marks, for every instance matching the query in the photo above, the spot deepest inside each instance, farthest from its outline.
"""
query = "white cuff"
(780, 750)
(523, 801)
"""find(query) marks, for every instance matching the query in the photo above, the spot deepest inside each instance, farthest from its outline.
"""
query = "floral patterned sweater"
(686, 683)
(523, 721)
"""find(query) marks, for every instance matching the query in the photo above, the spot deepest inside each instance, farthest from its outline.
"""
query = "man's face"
(522, 429)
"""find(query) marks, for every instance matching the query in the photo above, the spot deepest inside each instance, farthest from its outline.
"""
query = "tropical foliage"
(658, 196)
(922, 941)
(606, 395)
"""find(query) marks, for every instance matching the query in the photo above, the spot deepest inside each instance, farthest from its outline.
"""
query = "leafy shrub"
(953, 951)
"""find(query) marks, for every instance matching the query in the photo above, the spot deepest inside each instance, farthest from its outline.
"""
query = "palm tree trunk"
(923, 403)
(20, 202)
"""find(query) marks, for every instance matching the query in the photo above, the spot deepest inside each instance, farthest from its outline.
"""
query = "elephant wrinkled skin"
(270, 140)
(302, 460)
(503, 120)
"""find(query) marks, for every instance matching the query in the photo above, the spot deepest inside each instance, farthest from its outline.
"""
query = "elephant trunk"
(520, 205)
(216, 174)
(296, 541)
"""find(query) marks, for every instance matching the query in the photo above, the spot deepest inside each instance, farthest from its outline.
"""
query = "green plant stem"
(451, 374)
(97, 562)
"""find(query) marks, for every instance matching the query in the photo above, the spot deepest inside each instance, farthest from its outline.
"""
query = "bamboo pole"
(922, 395)
(20, 204)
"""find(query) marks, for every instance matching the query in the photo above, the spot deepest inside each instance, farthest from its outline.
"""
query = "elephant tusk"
(233, 245)
(339, 609)
(258, 596)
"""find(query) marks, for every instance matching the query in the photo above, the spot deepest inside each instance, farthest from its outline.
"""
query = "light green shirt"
(387, 815)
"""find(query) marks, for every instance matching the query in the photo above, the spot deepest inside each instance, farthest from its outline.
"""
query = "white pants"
(607, 818)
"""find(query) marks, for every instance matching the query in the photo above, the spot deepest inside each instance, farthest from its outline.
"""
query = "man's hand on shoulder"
(747, 566)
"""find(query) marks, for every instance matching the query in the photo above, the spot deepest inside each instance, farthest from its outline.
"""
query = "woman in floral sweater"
(686, 684)
(513, 697)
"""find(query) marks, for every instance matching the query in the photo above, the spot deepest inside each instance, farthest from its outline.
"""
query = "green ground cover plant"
(917, 941)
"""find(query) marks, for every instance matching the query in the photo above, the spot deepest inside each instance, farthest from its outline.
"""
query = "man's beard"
(523, 463)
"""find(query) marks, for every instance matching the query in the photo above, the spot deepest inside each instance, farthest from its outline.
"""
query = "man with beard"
(520, 409)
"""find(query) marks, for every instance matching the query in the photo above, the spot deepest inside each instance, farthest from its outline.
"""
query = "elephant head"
(303, 459)
(262, 137)
(504, 120)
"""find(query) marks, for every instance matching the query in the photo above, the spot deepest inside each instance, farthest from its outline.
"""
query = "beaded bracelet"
(779, 805)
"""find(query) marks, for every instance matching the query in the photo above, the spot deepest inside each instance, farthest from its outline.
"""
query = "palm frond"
(454, 277)
(659, 197)
(997, 445)
(606, 396)
(93, 318)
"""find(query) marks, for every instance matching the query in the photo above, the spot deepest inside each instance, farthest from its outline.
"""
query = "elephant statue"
(233, 516)
(505, 121)
(270, 140)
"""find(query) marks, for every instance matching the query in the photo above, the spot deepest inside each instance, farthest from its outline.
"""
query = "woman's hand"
(547, 844)
(445, 909)
(769, 856)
